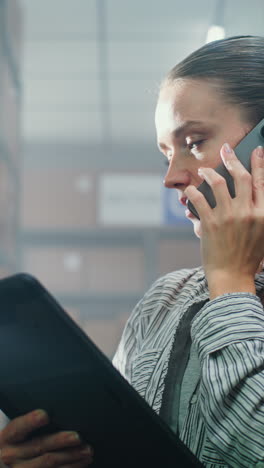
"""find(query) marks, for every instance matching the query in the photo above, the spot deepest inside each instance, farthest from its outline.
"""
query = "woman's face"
(193, 121)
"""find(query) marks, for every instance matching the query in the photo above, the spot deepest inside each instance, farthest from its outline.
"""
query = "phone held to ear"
(243, 152)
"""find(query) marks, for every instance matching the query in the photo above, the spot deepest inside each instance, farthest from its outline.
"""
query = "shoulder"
(150, 317)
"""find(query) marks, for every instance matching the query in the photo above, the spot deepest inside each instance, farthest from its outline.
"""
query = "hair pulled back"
(236, 64)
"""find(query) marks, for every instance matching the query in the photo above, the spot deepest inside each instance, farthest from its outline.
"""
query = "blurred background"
(82, 205)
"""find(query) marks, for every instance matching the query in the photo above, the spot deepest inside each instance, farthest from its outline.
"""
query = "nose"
(175, 177)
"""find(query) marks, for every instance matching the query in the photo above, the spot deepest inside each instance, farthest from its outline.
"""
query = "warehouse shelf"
(105, 236)
(10, 107)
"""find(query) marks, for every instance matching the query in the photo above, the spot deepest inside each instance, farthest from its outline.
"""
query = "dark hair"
(237, 64)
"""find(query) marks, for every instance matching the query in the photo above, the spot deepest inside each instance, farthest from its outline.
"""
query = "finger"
(219, 188)
(257, 170)
(198, 200)
(242, 178)
(19, 428)
(58, 459)
(39, 445)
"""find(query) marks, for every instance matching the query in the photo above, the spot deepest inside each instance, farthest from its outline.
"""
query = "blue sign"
(173, 210)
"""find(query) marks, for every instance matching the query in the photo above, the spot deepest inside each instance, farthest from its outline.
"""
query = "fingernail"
(40, 415)
(204, 175)
(73, 437)
(260, 152)
(227, 148)
(201, 173)
(226, 162)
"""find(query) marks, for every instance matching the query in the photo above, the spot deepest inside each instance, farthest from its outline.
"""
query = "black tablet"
(48, 362)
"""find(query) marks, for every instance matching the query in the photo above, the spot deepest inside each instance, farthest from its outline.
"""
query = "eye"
(195, 144)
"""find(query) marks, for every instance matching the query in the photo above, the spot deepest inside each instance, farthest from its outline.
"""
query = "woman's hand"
(63, 449)
(232, 241)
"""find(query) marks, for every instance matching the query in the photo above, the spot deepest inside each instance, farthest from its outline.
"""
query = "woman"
(194, 345)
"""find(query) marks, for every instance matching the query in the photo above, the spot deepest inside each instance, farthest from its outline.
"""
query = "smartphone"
(243, 152)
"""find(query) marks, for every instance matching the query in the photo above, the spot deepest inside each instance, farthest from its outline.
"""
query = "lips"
(183, 201)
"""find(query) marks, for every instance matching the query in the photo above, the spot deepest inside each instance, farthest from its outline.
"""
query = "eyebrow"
(181, 128)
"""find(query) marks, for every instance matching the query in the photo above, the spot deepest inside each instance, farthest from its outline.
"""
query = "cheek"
(211, 152)
(199, 155)
(212, 158)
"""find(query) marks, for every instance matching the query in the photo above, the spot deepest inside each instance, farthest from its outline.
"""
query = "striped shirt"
(224, 420)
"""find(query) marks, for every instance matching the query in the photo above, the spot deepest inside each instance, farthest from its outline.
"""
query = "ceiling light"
(214, 33)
